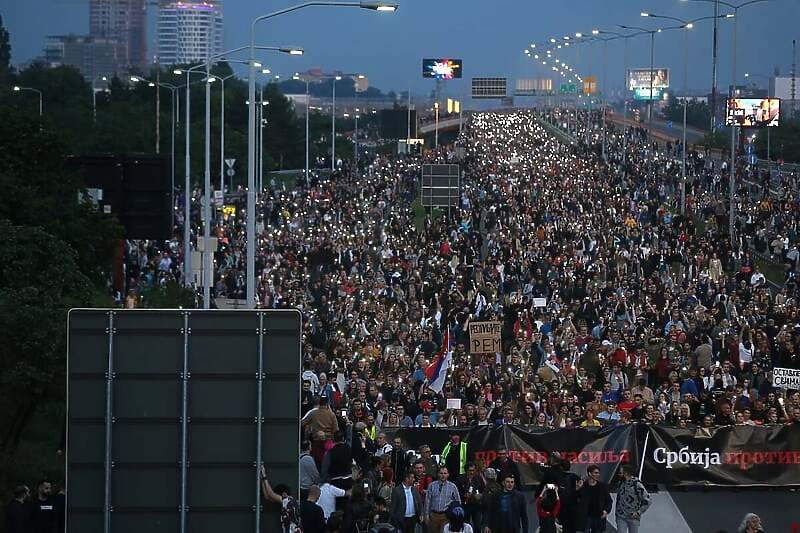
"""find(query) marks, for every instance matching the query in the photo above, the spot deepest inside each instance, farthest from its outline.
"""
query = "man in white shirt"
(327, 498)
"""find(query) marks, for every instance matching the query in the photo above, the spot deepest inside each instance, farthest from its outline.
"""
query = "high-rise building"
(123, 21)
(94, 57)
(189, 30)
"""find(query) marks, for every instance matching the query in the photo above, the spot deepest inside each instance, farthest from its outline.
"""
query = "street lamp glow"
(536, 56)
(103, 78)
(689, 26)
(151, 84)
(338, 78)
(257, 64)
(296, 52)
(134, 79)
(177, 72)
(643, 14)
(595, 32)
(266, 71)
(552, 40)
(387, 7)
(578, 35)
(360, 76)
(730, 15)
(17, 88)
(211, 79)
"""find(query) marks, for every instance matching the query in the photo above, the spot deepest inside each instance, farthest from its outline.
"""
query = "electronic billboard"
(441, 69)
(753, 112)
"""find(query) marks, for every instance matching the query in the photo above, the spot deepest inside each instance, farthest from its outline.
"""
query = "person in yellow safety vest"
(456, 461)
(371, 430)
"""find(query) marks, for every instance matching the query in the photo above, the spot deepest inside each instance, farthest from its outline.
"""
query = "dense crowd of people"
(615, 308)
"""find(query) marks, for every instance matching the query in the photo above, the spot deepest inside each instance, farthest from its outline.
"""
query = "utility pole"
(714, 70)
(158, 107)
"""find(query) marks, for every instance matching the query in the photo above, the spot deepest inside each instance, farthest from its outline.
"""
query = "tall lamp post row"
(251, 203)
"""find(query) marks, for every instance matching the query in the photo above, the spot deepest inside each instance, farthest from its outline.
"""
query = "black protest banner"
(606, 447)
(730, 455)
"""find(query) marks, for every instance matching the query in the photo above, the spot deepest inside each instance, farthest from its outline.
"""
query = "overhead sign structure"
(753, 112)
(639, 78)
(441, 185)
(442, 69)
(643, 93)
(568, 88)
(171, 412)
(484, 337)
(533, 87)
(589, 85)
(489, 88)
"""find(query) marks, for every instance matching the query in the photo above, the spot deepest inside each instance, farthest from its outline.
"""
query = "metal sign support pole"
(109, 463)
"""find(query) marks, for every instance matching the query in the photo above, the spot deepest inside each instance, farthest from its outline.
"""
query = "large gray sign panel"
(169, 413)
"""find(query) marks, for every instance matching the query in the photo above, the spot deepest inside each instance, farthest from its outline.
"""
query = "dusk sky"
(489, 36)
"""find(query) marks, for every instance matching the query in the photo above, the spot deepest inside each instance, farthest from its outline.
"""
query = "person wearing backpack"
(632, 501)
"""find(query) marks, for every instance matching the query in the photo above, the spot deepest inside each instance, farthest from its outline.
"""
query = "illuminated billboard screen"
(639, 78)
(753, 112)
(441, 69)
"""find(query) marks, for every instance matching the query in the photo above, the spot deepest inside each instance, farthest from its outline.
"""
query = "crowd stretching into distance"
(651, 315)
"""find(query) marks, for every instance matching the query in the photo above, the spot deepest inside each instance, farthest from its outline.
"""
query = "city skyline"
(491, 41)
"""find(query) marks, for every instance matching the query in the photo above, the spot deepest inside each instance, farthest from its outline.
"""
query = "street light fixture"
(94, 95)
(251, 130)
(18, 88)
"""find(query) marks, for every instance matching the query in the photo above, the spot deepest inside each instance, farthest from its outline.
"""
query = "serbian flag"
(436, 372)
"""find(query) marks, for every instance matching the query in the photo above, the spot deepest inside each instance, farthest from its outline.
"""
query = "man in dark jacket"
(405, 513)
(508, 512)
(337, 467)
(18, 511)
(595, 501)
(311, 515)
(505, 465)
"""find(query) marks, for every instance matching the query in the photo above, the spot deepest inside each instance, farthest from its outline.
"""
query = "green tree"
(38, 192)
(697, 113)
(784, 142)
(5, 54)
(40, 280)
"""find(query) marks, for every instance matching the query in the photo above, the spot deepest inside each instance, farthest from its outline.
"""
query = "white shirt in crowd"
(327, 498)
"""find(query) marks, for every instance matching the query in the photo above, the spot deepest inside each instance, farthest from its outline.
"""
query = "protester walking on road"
(632, 501)
(508, 511)
(440, 495)
(595, 501)
(406, 504)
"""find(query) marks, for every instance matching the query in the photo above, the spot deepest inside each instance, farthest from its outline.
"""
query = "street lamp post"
(685, 25)
(436, 138)
(732, 178)
(769, 95)
(222, 133)
(94, 96)
(306, 79)
(187, 183)
(652, 58)
(18, 89)
(251, 130)
(173, 91)
(333, 123)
